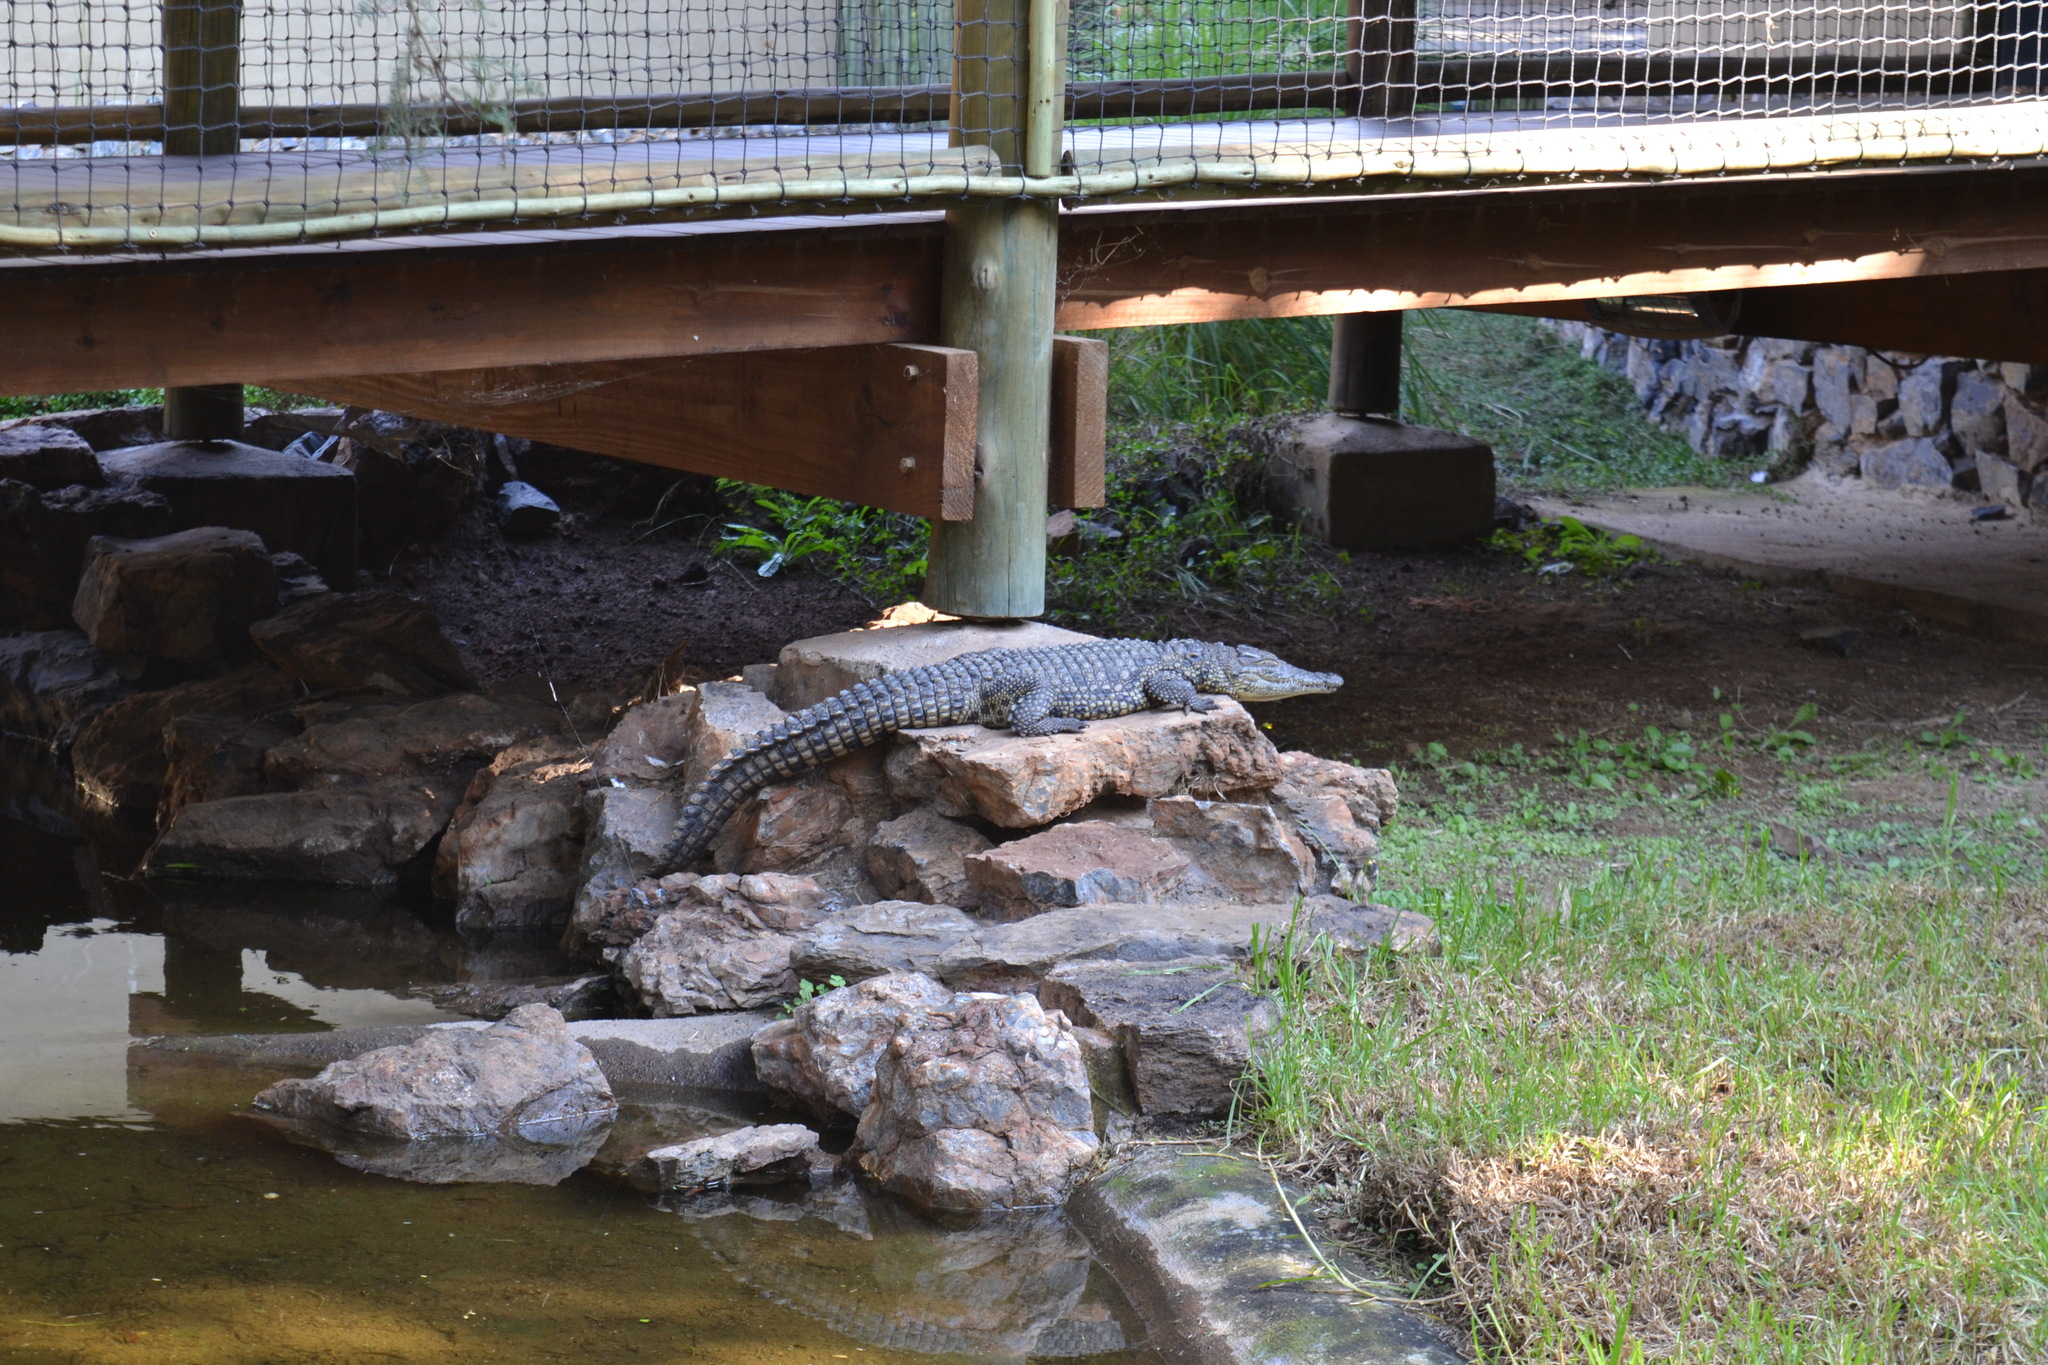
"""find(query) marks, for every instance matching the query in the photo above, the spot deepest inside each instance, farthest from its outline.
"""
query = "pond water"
(146, 1216)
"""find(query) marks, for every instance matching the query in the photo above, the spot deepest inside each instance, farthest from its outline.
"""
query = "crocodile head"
(1250, 674)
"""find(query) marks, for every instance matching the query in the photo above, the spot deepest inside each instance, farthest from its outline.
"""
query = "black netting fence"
(175, 122)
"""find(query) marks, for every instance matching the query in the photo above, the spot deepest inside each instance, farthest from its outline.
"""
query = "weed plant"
(1673, 1095)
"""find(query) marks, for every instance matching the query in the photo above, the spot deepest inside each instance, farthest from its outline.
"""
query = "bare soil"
(1468, 649)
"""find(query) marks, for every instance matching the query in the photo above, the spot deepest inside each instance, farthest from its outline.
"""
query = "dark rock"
(1913, 463)
(43, 538)
(365, 836)
(2003, 481)
(1838, 640)
(1087, 862)
(513, 848)
(775, 1154)
(1837, 378)
(724, 946)
(1788, 842)
(1737, 434)
(189, 597)
(2026, 434)
(524, 1073)
(123, 759)
(296, 579)
(381, 641)
(47, 457)
(1240, 850)
(303, 506)
(445, 737)
(103, 428)
(1976, 414)
(1222, 1274)
(523, 511)
(281, 430)
(921, 856)
(980, 1104)
(1186, 1028)
(650, 745)
(574, 998)
(1878, 417)
(1924, 393)
(822, 1058)
(875, 939)
(54, 681)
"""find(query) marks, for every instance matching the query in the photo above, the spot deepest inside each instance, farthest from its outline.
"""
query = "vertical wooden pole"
(1380, 58)
(202, 117)
(1001, 265)
(1365, 364)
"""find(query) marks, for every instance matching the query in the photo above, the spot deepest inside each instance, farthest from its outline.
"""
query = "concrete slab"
(1920, 552)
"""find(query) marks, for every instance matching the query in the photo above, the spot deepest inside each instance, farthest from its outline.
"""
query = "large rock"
(650, 745)
(1977, 414)
(922, 856)
(616, 918)
(102, 428)
(1223, 1275)
(1023, 783)
(726, 715)
(445, 735)
(1186, 1029)
(798, 826)
(809, 671)
(189, 597)
(303, 506)
(775, 1154)
(725, 947)
(513, 848)
(575, 998)
(1339, 808)
(627, 831)
(353, 641)
(980, 1104)
(1017, 956)
(878, 938)
(523, 1074)
(2026, 434)
(1916, 462)
(822, 1058)
(43, 536)
(124, 759)
(1240, 850)
(47, 457)
(362, 836)
(1086, 862)
(54, 681)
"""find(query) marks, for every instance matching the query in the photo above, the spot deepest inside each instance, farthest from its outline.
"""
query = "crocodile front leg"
(1026, 703)
(1171, 689)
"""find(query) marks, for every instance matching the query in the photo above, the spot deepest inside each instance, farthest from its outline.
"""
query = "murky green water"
(145, 1216)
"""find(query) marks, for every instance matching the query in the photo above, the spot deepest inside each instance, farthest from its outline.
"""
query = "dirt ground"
(1467, 649)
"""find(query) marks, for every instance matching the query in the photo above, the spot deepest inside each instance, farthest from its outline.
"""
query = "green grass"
(256, 396)
(1666, 1095)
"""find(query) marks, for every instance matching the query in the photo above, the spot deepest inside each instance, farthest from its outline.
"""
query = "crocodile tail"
(838, 725)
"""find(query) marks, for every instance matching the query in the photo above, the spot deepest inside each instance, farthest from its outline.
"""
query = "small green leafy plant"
(1568, 545)
(807, 991)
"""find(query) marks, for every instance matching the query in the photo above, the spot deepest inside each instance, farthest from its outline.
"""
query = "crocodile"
(1052, 690)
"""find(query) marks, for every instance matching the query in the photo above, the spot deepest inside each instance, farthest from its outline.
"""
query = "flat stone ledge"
(1192, 1238)
(808, 671)
(703, 1052)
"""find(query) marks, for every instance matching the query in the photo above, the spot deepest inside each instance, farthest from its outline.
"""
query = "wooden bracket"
(887, 425)
(1080, 422)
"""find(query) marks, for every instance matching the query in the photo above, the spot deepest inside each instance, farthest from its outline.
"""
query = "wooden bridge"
(870, 292)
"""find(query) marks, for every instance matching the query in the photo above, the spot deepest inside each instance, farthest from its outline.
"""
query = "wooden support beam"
(891, 426)
(202, 56)
(1199, 263)
(1992, 315)
(263, 317)
(1080, 423)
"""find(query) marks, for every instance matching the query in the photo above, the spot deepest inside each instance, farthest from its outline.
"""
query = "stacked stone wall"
(1894, 419)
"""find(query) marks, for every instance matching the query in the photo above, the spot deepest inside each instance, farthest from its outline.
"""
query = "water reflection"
(540, 1154)
(1010, 1285)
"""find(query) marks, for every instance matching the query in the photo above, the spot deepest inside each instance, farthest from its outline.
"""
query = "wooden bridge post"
(202, 117)
(1001, 263)
(1365, 364)
(1379, 62)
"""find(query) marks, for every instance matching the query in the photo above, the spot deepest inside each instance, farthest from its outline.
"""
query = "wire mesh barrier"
(166, 123)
